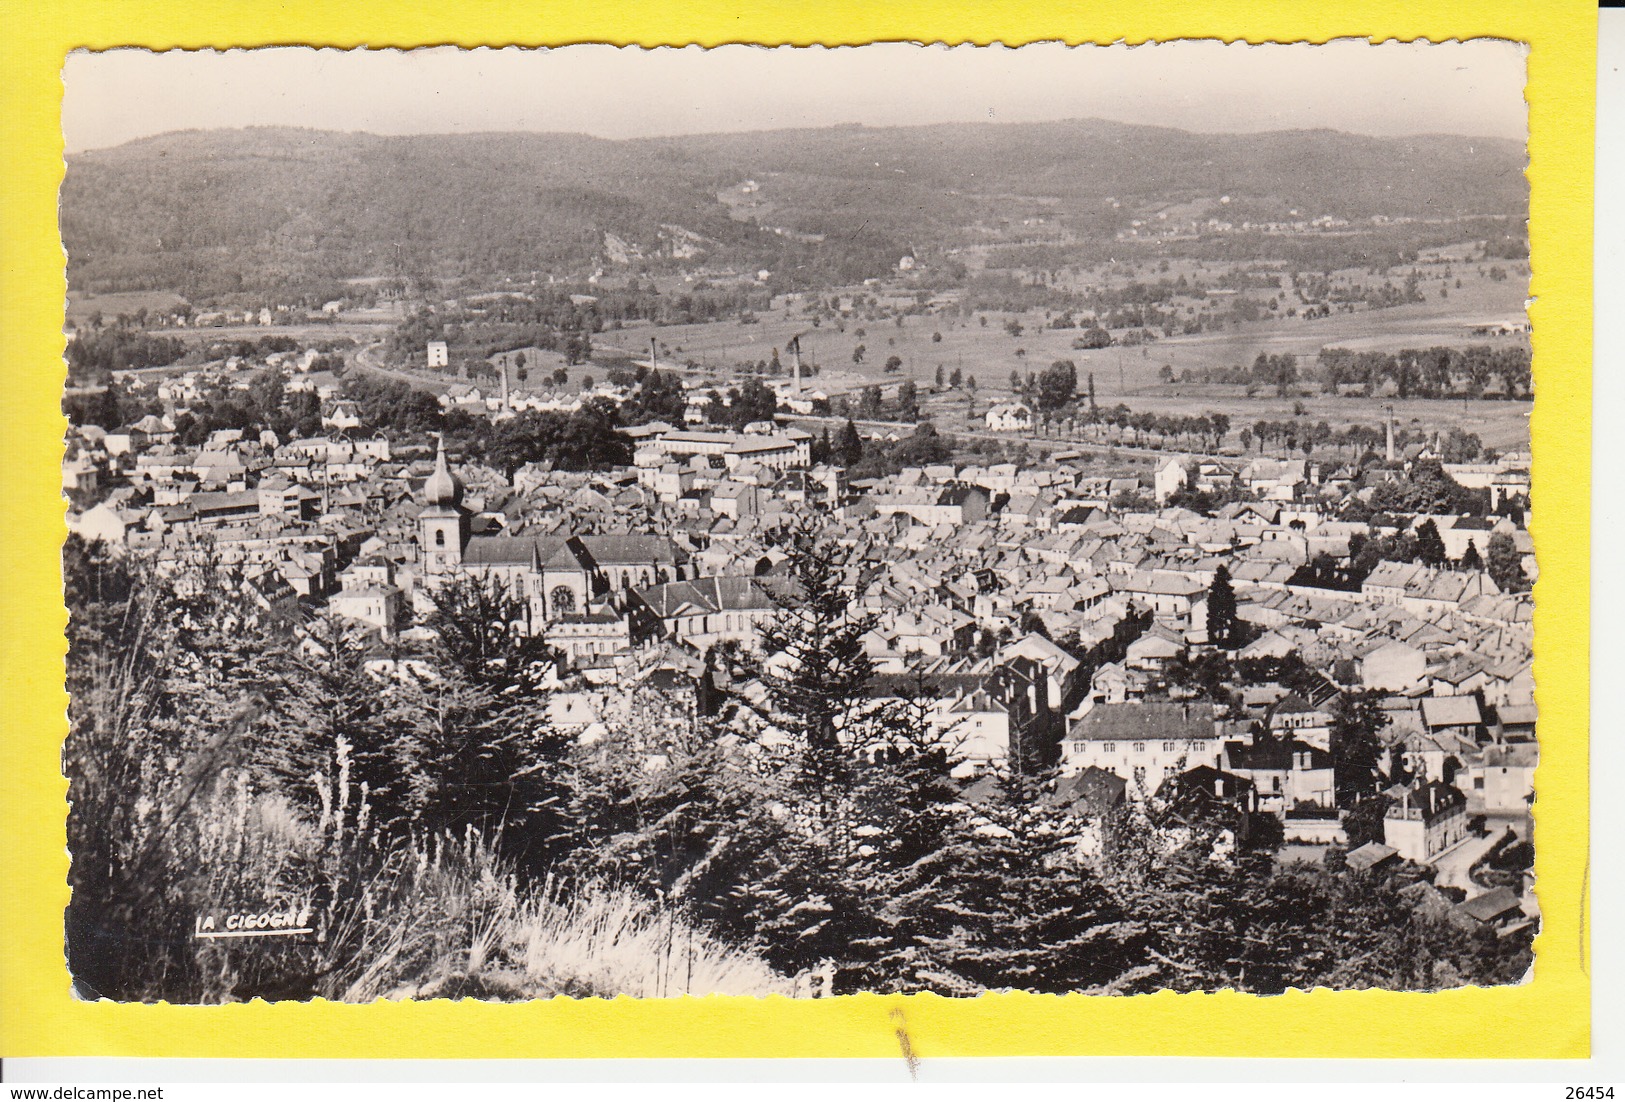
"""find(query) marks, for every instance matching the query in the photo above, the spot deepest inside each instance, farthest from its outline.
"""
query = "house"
(1010, 417)
(436, 354)
(1114, 683)
(587, 636)
(1171, 477)
(1454, 717)
(1154, 650)
(1295, 716)
(1424, 820)
(1501, 778)
(702, 612)
(1146, 739)
(1372, 856)
(1090, 794)
(100, 522)
(1211, 795)
(1422, 590)
(343, 415)
(1287, 773)
(1168, 595)
(1497, 909)
(1059, 666)
(1275, 479)
(378, 605)
(1392, 666)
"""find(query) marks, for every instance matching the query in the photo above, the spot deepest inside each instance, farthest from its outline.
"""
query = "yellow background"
(1548, 1017)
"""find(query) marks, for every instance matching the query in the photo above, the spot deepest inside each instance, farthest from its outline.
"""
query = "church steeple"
(442, 488)
(443, 525)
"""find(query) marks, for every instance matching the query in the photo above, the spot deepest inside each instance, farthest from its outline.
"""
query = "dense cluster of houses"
(1036, 616)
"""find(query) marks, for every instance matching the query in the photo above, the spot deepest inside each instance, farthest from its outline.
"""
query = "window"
(1139, 747)
(564, 600)
(1170, 747)
(440, 537)
(1110, 747)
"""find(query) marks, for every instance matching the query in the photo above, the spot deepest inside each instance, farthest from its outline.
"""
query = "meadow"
(1132, 375)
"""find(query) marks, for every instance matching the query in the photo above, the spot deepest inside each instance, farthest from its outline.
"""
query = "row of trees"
(1431, 372)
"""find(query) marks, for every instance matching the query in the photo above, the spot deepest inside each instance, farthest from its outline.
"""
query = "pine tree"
(1004, 904)
(1430, 548)
(1221, 610)
(1357, 718)
(1506, 564)
(481, 748)
(849, 449)
(1470, 559)
(826, 668)
(672, 811)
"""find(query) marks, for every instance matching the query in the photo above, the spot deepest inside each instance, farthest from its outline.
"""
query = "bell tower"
(443, 525)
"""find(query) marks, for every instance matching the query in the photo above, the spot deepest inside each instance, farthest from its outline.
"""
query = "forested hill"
(199, 211)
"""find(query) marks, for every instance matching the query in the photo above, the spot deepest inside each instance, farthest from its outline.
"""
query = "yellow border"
(1548, 1017)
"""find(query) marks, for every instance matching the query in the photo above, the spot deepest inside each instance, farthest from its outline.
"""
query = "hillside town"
(1249, 641)
(844, 550)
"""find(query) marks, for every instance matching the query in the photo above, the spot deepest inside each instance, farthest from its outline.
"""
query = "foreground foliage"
(446, 842)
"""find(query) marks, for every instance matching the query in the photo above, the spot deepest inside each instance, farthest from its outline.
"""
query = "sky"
(1473, 88)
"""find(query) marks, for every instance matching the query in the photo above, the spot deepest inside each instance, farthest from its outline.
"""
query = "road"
(366, 358)
(1455, 864)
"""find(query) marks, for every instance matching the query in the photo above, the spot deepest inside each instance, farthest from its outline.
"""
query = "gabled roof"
(1490, 906)
(1145, 720)
(1369, 856)
(1451, 711)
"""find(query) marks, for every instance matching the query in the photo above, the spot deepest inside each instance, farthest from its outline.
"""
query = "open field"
(991, 353)
(1129, 375)
(82, 306)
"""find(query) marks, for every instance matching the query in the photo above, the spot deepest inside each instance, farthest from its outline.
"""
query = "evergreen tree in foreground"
(1005, 904)
(820, 677)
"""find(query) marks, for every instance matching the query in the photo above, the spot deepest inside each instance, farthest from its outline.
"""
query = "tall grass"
(493, 939)
(440, 916)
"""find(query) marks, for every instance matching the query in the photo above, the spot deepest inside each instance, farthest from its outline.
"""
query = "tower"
(443, 525)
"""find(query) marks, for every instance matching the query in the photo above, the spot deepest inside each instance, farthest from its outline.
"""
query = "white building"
(1010, 417)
